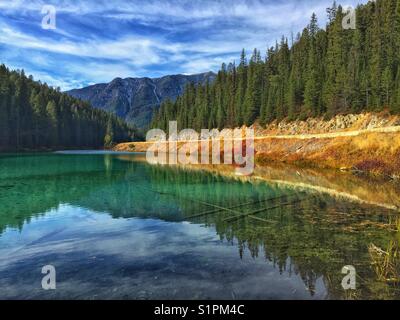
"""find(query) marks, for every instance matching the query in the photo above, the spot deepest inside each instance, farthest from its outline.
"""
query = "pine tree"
(34, 116)
(241, 91)
(312, 88)
(109, 137)
(4, 107)
(325, 72)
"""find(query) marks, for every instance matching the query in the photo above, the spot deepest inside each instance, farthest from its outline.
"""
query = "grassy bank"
(376, 153)
(366, 142)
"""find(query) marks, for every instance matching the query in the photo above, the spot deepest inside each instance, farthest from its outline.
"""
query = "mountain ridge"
(136, 99)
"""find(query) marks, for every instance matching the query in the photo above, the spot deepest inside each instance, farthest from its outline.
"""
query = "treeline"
(35, 116)
(323, 72)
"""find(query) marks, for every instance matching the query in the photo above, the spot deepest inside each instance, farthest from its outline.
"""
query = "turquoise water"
(115, 227)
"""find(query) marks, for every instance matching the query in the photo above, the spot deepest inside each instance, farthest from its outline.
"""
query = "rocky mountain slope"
(135, 99)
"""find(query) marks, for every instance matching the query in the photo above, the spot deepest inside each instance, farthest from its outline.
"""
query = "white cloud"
(195, 35)
(260, 13)
(137, 50)
(199, 65)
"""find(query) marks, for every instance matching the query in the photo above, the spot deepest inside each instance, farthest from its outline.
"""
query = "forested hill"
(322, 72)
(34, 116)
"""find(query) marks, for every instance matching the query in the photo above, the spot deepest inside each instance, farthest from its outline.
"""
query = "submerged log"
(237, 206)
(241, 216)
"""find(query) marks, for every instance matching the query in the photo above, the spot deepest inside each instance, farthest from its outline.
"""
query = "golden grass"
(375, 152)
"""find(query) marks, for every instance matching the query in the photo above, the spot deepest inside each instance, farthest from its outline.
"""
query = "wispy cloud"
(98, 40)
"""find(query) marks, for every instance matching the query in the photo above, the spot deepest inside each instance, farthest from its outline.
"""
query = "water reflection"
(81, 212)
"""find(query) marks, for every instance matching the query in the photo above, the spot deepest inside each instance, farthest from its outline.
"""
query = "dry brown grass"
(377, 153)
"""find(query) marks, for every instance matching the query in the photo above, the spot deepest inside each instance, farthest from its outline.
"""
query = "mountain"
(136, 99)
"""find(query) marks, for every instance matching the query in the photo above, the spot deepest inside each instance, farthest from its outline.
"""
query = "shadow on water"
(305, 222)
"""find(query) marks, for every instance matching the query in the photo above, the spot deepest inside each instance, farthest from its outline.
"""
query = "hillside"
(324, 71)
(34, 116)
(136, 99)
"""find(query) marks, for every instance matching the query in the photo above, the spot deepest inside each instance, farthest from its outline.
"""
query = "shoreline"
(354, 187)
(374, 152)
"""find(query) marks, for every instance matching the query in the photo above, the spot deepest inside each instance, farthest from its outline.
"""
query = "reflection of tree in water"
(313, 238)
(41, 183)
(386, 260)
(34, 185)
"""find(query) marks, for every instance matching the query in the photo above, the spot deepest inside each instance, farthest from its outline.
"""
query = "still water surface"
(115, 227)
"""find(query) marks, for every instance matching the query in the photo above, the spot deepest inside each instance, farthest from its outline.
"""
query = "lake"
(115, 227)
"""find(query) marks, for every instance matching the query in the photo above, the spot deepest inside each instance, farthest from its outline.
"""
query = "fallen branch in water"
(237, 206)
(198, 201)
(241, 216)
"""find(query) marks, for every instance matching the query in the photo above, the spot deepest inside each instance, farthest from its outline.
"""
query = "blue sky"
(99, 40)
